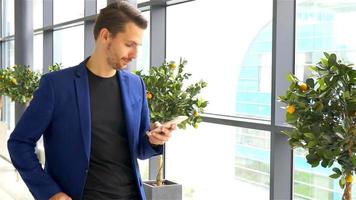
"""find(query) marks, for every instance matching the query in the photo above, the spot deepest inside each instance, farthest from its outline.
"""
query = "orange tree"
(322, 113)
(168, 97)
(19, 82)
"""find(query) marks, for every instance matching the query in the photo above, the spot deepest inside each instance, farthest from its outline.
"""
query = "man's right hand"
(60, 196)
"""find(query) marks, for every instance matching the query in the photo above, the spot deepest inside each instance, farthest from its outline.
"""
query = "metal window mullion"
(157, 57)
(283, 53)
(47, 34)
(89, 42)
(1, 43)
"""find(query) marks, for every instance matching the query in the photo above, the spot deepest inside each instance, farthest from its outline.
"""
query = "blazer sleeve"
(22, 142)
(146, 149)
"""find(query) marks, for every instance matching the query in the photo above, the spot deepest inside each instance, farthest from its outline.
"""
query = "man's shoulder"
(130, 75)
(63, 73)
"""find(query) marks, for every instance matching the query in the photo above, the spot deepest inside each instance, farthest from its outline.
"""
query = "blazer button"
(86, 171)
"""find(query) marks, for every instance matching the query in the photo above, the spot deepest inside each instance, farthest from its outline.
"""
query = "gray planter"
(168, 191)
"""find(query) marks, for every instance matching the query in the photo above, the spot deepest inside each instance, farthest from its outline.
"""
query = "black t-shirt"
(111, 174)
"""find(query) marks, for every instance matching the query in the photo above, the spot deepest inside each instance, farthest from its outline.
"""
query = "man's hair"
(115, 16)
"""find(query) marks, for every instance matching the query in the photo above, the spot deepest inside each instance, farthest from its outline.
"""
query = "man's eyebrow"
(138, 44)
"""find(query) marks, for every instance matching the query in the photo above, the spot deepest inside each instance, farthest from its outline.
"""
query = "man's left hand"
(159, 134)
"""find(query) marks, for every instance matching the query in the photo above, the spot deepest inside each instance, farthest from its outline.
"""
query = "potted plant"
(168, 97)
(322, 113)
(19, 82)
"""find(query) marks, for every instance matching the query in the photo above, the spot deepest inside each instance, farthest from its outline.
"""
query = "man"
(94, 120)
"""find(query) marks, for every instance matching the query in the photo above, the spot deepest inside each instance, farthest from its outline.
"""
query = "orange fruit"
(149, 95)
(196, 114)
(14, 81)
(349, 178)
(291, 109)
(172, 65)
(303, 87)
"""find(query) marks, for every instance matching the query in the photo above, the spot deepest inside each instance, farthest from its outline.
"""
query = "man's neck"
(98, 66)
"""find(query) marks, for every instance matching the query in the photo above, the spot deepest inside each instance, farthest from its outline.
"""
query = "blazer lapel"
(83, 100)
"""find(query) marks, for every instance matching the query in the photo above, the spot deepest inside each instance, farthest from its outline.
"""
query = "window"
(68, 46)
(62, 12)
(320, 26)
(8, 56)
(220, 162)
(38, 53)
(37, 14)
(143, 58)
(8, 18)
(100, 4)
(226, 50)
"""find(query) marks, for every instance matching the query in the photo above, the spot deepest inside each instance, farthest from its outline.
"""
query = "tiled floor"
(11, 186)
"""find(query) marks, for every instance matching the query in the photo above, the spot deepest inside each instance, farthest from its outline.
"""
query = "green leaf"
(291, 78)
(332, 59)
(328, 154)
(312, 144)
(310, 82)
(335, 176)
(342, 182)
(337, 170)
(354, 160)
(324, 163)
(326, 54)
(309, 135)
(313, 159)
(291, 117)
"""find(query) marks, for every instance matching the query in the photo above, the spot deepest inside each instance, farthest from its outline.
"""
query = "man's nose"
(133, 53)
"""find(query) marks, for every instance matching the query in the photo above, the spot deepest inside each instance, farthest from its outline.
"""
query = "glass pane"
(320, 26)
(38, 52)
(314, 183)
(62, 12)
(68, 46)
(37, 14)
(232, 167)
(8, 18)
(144, 169)
(100, 4)
(8, 55)
(143, 58)
(226, 50)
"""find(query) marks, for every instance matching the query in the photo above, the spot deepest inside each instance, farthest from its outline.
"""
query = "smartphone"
(176, 120)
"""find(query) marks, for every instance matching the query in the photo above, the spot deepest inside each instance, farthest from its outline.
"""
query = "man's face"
(122, 48)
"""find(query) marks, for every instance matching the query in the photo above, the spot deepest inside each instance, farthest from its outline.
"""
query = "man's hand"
(60, 196)
(160, 134)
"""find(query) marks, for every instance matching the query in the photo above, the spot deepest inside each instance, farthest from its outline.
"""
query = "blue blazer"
(60, 111)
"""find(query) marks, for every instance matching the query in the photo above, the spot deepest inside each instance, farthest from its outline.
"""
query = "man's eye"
(129, 45)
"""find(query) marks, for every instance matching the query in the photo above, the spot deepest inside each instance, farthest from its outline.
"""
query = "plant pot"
(169, 190)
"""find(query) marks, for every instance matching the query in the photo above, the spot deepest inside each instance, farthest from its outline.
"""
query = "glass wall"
(143, 58)
(64, 50)
(321, 26)
(38, 52)
(100, 4)
(220, 162)
(226, 50)
(37, 14)
(8, 17)
(8, 55)
(66, 10)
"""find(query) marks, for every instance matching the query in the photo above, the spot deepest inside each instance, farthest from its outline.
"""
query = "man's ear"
(104, 34)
